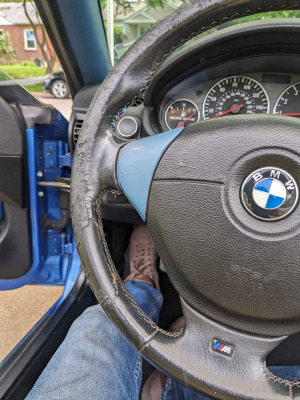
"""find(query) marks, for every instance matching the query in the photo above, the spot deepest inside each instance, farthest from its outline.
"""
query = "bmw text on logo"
(221, 347)
(269, 193)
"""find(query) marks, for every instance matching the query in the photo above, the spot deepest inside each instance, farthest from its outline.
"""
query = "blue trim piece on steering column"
(136, 166)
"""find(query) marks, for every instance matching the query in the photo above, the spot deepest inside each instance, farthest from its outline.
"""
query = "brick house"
(13, 20)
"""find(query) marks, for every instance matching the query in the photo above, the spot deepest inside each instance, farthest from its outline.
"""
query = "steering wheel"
(237, 275)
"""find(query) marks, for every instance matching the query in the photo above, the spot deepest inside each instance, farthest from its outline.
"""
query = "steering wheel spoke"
(136, 166)
(217, 360)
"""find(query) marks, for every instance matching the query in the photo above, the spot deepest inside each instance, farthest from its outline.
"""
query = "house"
(137, 21)
(14, 21)
(141, 20)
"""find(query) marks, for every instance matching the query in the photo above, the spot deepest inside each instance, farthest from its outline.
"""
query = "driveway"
(64, 106)
(20, 310)
(30, 81)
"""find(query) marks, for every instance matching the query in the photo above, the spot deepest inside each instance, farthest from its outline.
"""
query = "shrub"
(29, 64)
(7, 53)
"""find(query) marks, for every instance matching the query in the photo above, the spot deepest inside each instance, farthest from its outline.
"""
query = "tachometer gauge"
(235, 95)
(181, 113)
(288, 102)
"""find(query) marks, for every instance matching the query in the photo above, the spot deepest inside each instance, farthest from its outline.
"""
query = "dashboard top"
(248, 68)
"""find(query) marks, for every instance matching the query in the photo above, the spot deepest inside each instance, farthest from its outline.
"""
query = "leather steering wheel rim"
(242, 376)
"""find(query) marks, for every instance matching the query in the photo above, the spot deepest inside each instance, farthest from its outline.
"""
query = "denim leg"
(173, 390)
(95, 361)
(290, 373)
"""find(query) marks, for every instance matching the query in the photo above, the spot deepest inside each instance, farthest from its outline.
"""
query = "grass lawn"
(20, 71)
(38, 87)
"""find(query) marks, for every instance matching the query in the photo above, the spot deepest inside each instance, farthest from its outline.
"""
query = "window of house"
(1, 33)
(30, 40)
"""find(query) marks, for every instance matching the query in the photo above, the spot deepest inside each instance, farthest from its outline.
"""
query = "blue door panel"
(54, 256)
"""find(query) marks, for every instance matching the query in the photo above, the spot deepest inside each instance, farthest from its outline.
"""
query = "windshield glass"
(126, 20)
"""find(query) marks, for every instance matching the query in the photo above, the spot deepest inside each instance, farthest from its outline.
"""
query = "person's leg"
(95, 361)
(173, 390)
(160, 387)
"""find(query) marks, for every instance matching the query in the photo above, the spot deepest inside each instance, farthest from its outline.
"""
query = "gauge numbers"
(235, 95)
(181, 113)
(288, 102)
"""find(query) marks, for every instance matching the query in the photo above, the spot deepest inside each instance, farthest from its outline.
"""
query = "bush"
(7, 53)
(29, 64)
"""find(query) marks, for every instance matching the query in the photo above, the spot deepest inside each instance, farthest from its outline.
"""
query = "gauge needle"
(229, 111)
(291, 114)
(185, 120)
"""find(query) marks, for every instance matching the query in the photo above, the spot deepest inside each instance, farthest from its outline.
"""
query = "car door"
(36, 239)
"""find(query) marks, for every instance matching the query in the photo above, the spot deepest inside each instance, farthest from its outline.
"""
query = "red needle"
(184, 121)
(227, 112)
(291, 114)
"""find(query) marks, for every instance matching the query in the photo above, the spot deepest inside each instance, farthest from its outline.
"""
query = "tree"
(37, 25)
(42, 40)
(6, 49)
(125, 6)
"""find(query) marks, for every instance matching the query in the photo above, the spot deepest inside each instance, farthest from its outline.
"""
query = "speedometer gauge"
(289, 102)
(235, 95)
(181, 113)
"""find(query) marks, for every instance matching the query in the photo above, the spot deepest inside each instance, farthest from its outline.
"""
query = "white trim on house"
(4, 20)
(136, 18)
(26, 40)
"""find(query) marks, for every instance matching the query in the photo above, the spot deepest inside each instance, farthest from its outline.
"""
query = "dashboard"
(213, 94)
(249, 68)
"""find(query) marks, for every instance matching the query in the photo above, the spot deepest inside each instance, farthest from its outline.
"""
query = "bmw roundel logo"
(269, 193)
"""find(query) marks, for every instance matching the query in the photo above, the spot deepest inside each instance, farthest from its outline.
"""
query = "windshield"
(126, 20)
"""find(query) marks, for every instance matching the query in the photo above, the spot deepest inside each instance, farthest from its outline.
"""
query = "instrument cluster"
(253, 93)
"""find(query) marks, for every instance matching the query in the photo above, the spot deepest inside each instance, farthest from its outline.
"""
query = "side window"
(1, 33)
(30, 40)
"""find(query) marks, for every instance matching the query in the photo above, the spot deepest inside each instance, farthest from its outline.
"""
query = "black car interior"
(159, 84)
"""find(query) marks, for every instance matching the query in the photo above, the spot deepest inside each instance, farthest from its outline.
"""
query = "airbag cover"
(218, 256)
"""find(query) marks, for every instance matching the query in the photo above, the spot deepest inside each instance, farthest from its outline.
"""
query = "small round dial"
(235, 95)
(181, 113)
(288, 102)
(127, 127)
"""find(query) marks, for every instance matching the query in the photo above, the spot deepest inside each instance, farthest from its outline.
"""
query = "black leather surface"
(93, 172)
(224, 262)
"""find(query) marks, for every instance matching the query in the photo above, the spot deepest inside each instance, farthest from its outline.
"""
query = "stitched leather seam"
(98, 221)
(140, 97)
(282, 381)
(117, 282)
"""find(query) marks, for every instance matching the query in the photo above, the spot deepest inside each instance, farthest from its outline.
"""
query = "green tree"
(6, 50)
(37, 25)
(42, 38)
(125, 6)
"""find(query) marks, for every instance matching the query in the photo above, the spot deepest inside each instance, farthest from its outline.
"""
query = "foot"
(154, 385)
(143, 258)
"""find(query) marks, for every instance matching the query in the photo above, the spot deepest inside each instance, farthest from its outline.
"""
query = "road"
(64, 106)
(30, 81)
(20, 310)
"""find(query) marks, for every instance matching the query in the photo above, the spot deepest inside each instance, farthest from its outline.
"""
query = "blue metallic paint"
(136, 166)
(55, 258)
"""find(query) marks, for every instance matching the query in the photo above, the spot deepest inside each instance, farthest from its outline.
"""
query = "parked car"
(56, 84)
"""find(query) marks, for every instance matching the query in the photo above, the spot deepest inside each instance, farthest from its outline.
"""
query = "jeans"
(96, 362)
